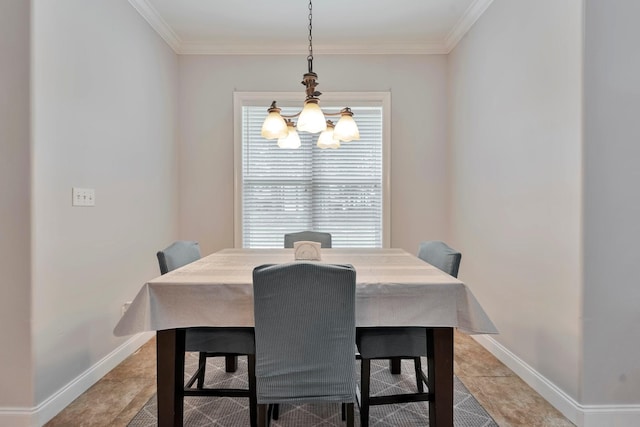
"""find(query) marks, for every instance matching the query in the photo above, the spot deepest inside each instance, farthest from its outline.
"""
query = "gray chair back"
(441, 256)
(312, 236)
(304, 332)
(178, 254)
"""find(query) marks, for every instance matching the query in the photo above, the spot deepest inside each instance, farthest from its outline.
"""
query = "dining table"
(393, 288)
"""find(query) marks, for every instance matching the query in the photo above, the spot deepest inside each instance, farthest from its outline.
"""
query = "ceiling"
(339, 26)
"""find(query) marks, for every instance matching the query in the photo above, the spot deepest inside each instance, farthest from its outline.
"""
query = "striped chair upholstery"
(311, 236)
(304, 330)
(178, 254)
(398, 343)
(441, 256)
(212, 342)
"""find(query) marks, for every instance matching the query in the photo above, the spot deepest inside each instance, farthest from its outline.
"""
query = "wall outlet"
(83, 197)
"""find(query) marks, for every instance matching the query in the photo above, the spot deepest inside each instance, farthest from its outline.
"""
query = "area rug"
(231, 412)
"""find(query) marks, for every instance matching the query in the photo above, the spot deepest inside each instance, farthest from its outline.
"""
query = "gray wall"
(544, 130)
(419, 192)
(515, 132)
(105, 99)
(15, 205)
(612, 203)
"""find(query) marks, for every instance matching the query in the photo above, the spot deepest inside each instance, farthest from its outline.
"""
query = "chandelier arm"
(292, 116)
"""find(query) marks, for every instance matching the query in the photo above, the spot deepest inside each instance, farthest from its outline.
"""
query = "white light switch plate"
(83, 197)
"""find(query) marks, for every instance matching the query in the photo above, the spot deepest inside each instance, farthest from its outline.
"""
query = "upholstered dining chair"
(397, 343)
(312, 236)
(212, 342)
(441, 256)
(305, 330)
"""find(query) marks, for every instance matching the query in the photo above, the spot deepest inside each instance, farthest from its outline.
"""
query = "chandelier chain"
(310, 56)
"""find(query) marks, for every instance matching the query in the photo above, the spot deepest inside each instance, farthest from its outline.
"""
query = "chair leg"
(350, 415)
(262, 415)
(418, 366)
(253, 402)
(202, 365)
(365, 374)
(231, 363)
(276, 411)
(395, 365)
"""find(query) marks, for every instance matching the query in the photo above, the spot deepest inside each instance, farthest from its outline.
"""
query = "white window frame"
(329, 100)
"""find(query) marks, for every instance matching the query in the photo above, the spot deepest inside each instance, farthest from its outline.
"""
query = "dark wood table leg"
(170, 376)
(440, 376)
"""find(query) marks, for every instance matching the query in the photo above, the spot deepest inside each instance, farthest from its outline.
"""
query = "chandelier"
(311, 119)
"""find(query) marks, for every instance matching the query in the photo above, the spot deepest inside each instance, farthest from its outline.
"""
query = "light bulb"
(274, 125)
(346, 129)
(311, 118)
(327, 138)
(292, 140)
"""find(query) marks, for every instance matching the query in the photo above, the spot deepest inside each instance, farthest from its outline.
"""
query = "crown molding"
(151, 15)
(408, 48)
(181, 47)
(470, 16)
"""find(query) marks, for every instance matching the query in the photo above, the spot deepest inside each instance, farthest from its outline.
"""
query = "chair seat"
(212, 340)
(387, 342)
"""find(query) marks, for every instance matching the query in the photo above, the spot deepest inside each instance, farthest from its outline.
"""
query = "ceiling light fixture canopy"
(311, 119)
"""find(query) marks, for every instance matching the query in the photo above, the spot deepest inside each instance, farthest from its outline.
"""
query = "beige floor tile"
(141, 364)
(512, 403)
(473, 360)
(99, 405)
(135, 405)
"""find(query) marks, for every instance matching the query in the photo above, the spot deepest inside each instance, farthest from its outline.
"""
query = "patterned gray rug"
(227, 412)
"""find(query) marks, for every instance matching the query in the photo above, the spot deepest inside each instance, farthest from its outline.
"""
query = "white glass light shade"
(326, 138)
(346, 129)
(311, 118)
(274, 126)
(292, 140)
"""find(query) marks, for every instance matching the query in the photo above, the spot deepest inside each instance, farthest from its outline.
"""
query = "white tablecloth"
(394, 288)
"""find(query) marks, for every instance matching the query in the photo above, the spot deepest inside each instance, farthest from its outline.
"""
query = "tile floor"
(119, 395)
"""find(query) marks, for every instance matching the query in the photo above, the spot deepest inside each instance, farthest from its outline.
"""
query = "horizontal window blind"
(338, 191)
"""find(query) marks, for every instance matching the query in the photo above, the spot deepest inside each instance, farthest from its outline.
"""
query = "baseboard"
(609, 416)
(39, 415)
(580, 415)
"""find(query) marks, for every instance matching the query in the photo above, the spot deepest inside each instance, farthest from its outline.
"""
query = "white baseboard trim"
(610, 416)
(39, 415)
(580, 415)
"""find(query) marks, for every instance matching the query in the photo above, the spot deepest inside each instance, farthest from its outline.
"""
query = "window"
(339, 191)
